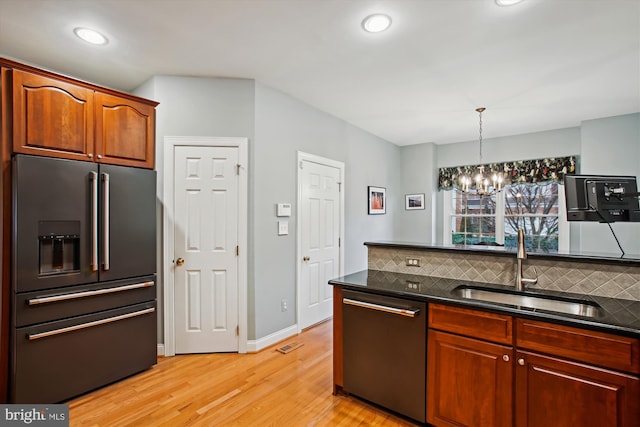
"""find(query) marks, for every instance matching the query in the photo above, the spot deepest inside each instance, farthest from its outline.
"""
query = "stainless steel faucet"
(521, 254)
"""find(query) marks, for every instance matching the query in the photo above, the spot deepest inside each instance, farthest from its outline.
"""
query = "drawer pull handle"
(33, 337)
(65, 297)
(384, 308)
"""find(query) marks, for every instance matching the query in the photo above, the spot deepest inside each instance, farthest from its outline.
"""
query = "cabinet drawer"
(597, 348)
(473, 323)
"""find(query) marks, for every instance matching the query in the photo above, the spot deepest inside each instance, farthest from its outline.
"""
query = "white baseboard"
(254, 346)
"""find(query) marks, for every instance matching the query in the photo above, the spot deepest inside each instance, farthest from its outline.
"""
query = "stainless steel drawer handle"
(378, 307)
(33, 337)
(65, 297)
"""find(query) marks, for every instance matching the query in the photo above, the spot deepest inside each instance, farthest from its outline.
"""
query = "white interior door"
(206, 240)
(320, 231)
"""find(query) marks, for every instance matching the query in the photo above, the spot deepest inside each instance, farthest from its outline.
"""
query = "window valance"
(515, 172)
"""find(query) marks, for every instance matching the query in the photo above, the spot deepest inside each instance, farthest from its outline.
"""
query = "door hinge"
(237, 250)
(238, 330)
(339, 187)
(238, 166)
(339, 242)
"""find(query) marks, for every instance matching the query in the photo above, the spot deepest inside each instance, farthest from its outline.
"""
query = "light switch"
(283, 228)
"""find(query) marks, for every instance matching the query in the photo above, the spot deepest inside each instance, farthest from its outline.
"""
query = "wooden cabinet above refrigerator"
(57, 116)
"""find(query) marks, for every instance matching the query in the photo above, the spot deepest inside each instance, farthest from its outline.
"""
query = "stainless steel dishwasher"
(385, 347)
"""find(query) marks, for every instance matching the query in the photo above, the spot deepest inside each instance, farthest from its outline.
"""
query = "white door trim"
(327, 162)
(168, 232)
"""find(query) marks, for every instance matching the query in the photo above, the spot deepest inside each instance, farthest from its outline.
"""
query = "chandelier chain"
(480, 114)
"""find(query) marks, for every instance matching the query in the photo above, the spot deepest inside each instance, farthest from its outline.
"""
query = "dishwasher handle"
(393, 310)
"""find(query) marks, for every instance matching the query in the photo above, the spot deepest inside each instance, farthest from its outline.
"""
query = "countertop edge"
(501, 251)
(559, 318)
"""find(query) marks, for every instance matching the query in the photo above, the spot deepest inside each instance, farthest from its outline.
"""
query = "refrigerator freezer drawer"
(53, 304)
(56, 361)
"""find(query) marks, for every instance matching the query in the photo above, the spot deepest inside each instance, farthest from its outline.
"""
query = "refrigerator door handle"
(105, 211)
(93, 178)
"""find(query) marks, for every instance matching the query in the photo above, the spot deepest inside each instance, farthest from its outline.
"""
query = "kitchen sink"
(525, 300)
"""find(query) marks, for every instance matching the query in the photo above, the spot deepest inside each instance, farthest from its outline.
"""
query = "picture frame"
(377, 200)
(414, 201)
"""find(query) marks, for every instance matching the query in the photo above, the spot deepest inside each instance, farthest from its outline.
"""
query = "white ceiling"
(543, 64)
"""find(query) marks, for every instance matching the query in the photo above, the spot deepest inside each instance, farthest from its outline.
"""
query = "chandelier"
(486, 182)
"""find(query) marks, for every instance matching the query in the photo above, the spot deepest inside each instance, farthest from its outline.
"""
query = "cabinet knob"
(505, 357)
(521, 362)
(99, 156)
(180, 262)
(90, 155)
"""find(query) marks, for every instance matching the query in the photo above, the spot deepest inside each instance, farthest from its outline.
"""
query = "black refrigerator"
(83, 276)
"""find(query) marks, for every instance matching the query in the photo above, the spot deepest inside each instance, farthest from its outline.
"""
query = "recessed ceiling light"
(508, 2)
(376, 23)
(90, 36)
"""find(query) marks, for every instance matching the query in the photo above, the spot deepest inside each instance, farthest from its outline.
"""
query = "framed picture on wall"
(414, 201)
(377, 200)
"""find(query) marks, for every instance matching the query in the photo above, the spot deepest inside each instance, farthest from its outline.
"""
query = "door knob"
(180, 262)
(305, 259)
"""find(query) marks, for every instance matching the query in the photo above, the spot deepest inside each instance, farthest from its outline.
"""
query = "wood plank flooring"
(261, 389)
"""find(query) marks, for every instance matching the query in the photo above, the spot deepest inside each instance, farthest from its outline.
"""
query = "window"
(473, 219)
(536, 208)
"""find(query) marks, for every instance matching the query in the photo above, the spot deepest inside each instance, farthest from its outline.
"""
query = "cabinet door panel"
(124, 131)
(51, 117)
(554, 392)
(469, 382)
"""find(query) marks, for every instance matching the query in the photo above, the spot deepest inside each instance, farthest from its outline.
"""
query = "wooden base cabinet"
(556, 392)
(468, 382)
(549, 375)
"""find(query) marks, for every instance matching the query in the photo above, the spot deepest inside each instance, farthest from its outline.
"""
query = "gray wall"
(419, 175)
(610, 146)
(370, 161)
(192, 106)
(284, 126)
(277, 126)
(558, 142)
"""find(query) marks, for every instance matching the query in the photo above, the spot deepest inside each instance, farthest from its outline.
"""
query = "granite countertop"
(616, 315)
(608, 258)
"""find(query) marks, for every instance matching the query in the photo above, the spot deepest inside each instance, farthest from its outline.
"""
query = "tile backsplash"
(587, 278)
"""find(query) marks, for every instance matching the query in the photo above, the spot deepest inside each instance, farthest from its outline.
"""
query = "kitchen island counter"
(501, 251)
(618, 316)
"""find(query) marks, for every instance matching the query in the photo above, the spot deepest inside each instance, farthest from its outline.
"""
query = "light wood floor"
(262, 389)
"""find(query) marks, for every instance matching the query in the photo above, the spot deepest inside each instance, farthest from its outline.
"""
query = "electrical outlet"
(283, 305)
(413, 262)
(412, 286)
